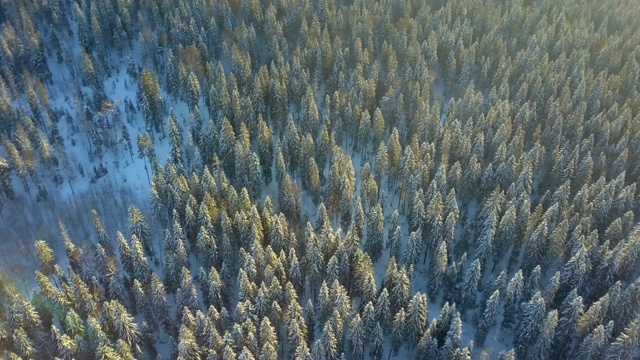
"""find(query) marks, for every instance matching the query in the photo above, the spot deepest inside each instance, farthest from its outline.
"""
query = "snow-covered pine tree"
(356, 336)
(512, 299)
(541, 349)
(138, 226)
(374, 243)
(470, 282)
(414, 247)
(150, 97)
(398, 332)
(377, 343)
(593, 346)
(570, 313)
(417, 315)
(625, 346)
(488, 319)
(530, 318)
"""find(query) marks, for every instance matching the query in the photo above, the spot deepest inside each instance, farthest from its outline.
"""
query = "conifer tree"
(158, 299)
(438, 267)
(382, 162)
(574, 271)
(255, 178)
(313, 180)
(570, 312)
(46, 256)
(488, 319)
(138, 226)
(288, 198)
(417, 314)
(375, 232)
(193, 90)
(530, 319)
(394, 152)
(140, 263)
(413, 249)
(513, 296)
(5, 179)
(625, 346)
(417, 213)
(377, 344)
(393, 241)
(398, 332)
(507, 355)
(187, 346)
(265, 148)
(358, 221)
(593, 346)
(145, 146)
(356, 336)
(313, 257)
(268, 340)
(469, 285)
(382, 308)
(120, 320)
(542, 346)
(175, 135)
(627, 305)
(453, 338)
(150, 98)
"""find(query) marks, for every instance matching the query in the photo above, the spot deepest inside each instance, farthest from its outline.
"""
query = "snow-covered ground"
(126, 183)
(26, 219)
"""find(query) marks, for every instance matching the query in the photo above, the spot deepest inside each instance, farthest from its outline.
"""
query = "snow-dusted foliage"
(319, 180)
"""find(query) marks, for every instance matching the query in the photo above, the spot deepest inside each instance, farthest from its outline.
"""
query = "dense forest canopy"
(295, 179)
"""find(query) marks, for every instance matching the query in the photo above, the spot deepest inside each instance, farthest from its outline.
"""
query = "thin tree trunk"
(146, 170)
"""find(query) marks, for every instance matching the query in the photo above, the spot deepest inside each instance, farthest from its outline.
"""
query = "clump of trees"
(336, 171)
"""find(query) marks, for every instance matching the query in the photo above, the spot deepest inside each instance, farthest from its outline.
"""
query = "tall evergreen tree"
(530, 319)
(513, 296)
(398, 332)
(469, 285)
(570, 312)
(542, 346)
(150, 97)
(138, 226)
(625, 346)
(374, 243)
(488, 319)
(593, 346)
(417, 314)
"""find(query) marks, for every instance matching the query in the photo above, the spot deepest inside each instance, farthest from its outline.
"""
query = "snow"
(71, 202)
(439, 91)
(126, 183)
(445, 112)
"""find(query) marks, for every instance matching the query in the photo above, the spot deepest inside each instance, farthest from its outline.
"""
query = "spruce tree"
(356, 336)
(413, 249)
(417, 314)
(138, 226)
(530, 318)
(542, 346)
(438, 267)
(377, 343)
(398, 332)
(374, 243)
(570, 312)
(469, 285)
(512, 299)
(625, 346)
(593, 346)
(488, 319)
(150, 98)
